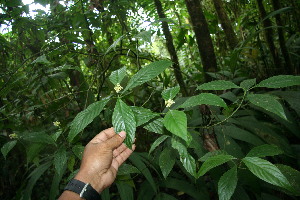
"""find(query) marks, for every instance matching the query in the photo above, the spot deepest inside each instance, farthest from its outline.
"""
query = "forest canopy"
(210, 89)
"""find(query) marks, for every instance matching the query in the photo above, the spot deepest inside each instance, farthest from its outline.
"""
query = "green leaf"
(247, 84)
(126, 169)
(60, 160)
(7, 147)
(117, 76)
(204, 98)
(227, 184)
(157, 142)
(166, 161)
(217, 85)
(164, 196)
(176, 122)
(186, 159)
(125, 191)
(85, 117)
(170, 93)
(266, 171)
(38, 137)
(292, 175)
(42, 60)
(280, 81)
(212, 162)
(123, 120)
(78, 151)
(142, 115)
(147, 73)
(265, 150)
(34, 176)
(144, 35)
(268, 103)
(156, 126)
(211, 154)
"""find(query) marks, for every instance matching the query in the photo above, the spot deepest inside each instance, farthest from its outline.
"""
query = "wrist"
(92, 179)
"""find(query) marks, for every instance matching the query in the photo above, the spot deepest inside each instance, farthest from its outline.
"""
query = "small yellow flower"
(118, 87)
(13, 136)
(169, 103)
(57, 123)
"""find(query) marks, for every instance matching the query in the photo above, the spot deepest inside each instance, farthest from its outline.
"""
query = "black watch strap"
(85, 190)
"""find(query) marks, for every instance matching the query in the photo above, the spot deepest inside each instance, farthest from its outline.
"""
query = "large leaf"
(266, 171)
(117, 76)
(6, 148)
(34, 176)
(166, 161)
(268, 103)
(136, 160)
(125, 191)
(142, 115)
(292, 175)
(156, 126)
(60, 160)
(126, 169)
(38, 137)
(280, 81)
(85, 117)
(227, 184)
(157, 142)
(123, 120)
(212, 162)
(164, 196)
(217, 85)
(247, 84)
(147, 73)
(176, 122)
(265, 150)
(186, 159)
(170, 93)
(204, 98)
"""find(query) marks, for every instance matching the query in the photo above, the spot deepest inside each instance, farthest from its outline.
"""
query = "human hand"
(102, 157)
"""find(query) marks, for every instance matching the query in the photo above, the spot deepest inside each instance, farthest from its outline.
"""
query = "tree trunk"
(226, 24)
(171, 48)
(284, 51)
(268, 32)
(203, 38)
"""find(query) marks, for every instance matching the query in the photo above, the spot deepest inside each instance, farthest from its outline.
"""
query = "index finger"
(104, 135)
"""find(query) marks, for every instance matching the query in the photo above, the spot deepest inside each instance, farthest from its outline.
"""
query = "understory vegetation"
(210, 89)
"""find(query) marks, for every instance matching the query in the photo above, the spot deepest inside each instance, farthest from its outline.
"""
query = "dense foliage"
(208, 88)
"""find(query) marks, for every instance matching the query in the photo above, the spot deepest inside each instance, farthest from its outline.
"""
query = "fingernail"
(122, 134)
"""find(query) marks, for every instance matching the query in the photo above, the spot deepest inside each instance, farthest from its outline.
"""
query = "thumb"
(116, 140)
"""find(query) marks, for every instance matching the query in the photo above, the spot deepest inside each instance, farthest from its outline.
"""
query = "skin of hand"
(101, 159)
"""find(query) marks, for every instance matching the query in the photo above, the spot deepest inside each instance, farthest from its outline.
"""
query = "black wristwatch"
(85, 190)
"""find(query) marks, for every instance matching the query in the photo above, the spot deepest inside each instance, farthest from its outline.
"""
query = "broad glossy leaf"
(42, 60)
(7, 147)
(227, 184)
(280, 81)
(156, 126)
(123, 120)
(117, 76)
(170, 93)
(38, 137)
(186, 159)
(266, 171)
(212, 162)
(78, 151)
(85, 117)
(60, 159)
(142, 115)
(212, 153)
(176, 122)
(147, 73)
(204, 98)
(268, 103)
(247, 84)
(126, 169)
(157, 142)
(166, 161)
(265, 150)
(125, 191)
(292, 175)
(217, 85)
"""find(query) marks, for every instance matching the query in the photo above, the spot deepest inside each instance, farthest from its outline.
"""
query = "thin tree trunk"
(226, 24)
(284, 50)
(268, 32)
(203, 38)
(171, 48)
